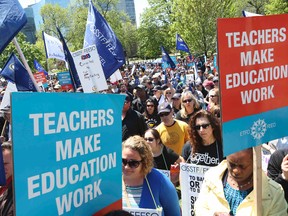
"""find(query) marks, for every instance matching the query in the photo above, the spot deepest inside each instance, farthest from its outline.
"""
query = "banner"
(74, 165)
(53, 47)
(191, 178)
(15, 72)
(91, 76)
(12, 20)
(98, 32)
(253, 80)
(65, 80)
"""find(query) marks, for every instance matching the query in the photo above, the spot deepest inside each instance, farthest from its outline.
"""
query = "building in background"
(35, 19)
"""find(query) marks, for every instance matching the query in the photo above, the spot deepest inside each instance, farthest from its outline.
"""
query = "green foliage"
(30, 51)
(276, 7)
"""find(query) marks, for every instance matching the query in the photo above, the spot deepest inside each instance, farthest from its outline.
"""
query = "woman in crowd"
(144, 186)
(152, 119)
(189, 106)
(168, 93)
(164, 157)
(214, 98)
(205, 140)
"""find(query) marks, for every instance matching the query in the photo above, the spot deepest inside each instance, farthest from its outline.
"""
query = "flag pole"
(25, 63)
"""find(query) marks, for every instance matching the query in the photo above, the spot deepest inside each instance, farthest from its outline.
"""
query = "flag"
(72, 69)
(181, 45)
(53, 47)
(99, 33)
(249, 14)
(12, 20)
(166, 58)
(15, 72)
(39, 67)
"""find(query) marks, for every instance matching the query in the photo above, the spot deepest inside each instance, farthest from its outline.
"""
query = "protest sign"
(191, 178)
(253, 77)
(144, 212)
(89, 70)
(65, 160)
(65, 80)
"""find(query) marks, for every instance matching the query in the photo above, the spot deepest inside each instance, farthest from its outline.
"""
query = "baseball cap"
(164, 107)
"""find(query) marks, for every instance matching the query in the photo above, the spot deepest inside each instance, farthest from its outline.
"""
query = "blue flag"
(39, 67)
(166, 58)
(181, 45)
(12, 19)
(99, 33)
(72, 69)
(15, 72)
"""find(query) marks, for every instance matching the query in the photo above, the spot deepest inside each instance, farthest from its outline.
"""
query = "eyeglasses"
(131, 163)
(148, 105)
(204, 126)
(149, 139)
(164, 114)
(212, 96)
(187, 101)
(168, 92)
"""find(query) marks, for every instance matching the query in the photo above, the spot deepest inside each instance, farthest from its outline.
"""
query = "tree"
(29, 50)
(276, 7)
(154, 29)
(196, 21)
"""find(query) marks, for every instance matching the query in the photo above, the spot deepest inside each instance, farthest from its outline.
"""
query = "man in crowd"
(133, 122)
(173, 132)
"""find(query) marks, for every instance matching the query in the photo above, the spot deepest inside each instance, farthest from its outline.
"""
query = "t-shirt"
(174, 136)
(208, 155)
(169, 156)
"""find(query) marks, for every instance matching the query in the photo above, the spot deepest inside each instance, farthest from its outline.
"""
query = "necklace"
(235, 183)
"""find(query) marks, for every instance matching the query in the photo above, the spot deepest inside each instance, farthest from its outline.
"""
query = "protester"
(173, 132)
(176, 102)
(164, 157)
(278, 169)
(168, 93)
(144, 186)
(214, 98)
(228, 190)
(189, 106)
(133, 122)
(138, 103)
(158, 94)
(150, 114)
(6, 193)
(205, 140)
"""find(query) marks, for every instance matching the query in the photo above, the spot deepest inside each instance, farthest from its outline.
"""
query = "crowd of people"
(169, 118)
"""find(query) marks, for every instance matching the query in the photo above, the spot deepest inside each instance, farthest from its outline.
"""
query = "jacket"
(211, 198)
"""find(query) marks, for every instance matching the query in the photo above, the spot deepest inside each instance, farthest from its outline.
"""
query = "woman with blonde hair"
(189, 106)
(168, 94)
(214, 98)
(144, 186)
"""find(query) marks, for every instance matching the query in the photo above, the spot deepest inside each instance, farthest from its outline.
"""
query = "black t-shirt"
(210, 155)
(170, 158)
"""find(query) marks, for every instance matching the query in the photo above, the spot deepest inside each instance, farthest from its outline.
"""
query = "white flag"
(249, 14)
(53, 47)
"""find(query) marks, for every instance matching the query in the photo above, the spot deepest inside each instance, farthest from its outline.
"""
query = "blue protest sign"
(67, 153)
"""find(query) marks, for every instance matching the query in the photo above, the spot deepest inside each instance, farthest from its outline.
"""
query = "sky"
(140, 5)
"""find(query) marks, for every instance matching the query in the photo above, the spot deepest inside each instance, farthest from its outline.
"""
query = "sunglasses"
(150, 105)
(131, 163)
(175, 98)
(164, 114)
(149, 139)
(212, 96)
(168, 92)
(204, 126)
(187, 101)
